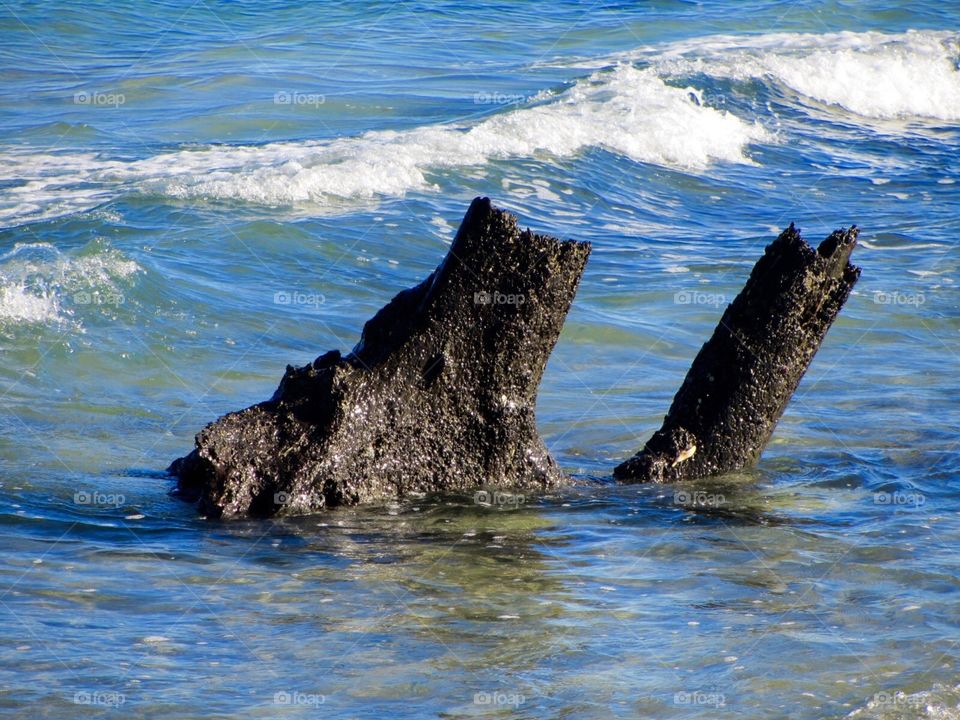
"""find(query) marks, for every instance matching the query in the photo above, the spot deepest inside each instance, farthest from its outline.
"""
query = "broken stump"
(438, 395)
(743, 377)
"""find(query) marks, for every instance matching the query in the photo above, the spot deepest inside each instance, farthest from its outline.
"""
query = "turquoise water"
(168, 172)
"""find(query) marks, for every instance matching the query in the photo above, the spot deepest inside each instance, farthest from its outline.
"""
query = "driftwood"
(742, 379)
(438, 395)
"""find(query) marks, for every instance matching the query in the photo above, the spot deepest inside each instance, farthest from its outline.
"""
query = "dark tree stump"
(438, 395)
(743, 377)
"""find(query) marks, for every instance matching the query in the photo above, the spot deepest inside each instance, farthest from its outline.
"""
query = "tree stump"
(742, 379)
(438, 395)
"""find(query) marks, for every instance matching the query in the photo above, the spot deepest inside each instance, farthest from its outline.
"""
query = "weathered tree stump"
(438, 395)
(742, 379)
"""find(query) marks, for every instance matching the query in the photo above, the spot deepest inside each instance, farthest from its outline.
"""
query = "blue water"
(169, 171)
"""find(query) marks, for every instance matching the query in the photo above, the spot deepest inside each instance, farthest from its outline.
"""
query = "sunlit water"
(192, 199)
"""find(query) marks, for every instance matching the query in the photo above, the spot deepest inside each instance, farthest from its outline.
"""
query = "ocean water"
(193, 195)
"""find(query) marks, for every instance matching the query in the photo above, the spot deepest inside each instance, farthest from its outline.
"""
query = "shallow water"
(168, 180)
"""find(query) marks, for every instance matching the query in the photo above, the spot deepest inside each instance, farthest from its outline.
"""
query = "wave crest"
(41, 284)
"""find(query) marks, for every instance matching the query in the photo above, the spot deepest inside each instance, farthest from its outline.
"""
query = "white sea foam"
(636, 106)
(19, 304)
(874, 75)
(626, 110)
(40, 284)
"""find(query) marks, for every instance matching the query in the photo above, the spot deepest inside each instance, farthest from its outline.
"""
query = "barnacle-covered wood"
(742, 379)
(438, 395)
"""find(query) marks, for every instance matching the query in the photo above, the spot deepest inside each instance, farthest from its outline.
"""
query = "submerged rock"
(438, 395)
(742, 379)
